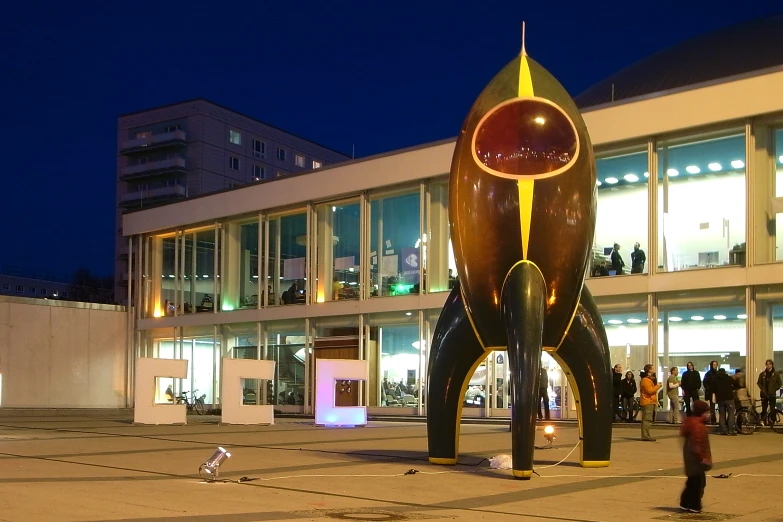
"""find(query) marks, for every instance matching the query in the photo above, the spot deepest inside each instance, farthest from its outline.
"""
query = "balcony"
(154, 141)
(152, 197)
(152, 168)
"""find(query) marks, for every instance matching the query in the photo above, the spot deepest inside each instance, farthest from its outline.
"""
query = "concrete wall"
(56, 354)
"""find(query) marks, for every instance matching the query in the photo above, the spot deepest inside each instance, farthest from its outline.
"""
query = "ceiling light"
(408, 313)
(742, 316)
(714, 167)
(780, 158)
(614, 321)
(692, 169)
(598, 183)
(675, 319)
(539, 120)
(719, 317)
(631, 177)
(697, 318)
(672, 173)
(738, 164)
(611, 181)
(646, 174)
(634, 321)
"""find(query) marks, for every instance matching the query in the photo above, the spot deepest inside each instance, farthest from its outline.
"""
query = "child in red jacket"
(696, 456)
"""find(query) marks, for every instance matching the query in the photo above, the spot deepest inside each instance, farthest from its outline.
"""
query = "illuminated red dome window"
(525, 137)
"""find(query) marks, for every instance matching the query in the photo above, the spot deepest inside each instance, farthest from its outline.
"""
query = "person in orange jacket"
(648, 400)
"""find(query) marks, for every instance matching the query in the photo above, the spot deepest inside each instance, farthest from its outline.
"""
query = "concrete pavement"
(106, 469)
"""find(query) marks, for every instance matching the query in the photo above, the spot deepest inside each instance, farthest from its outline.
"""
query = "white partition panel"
(327, 372)
(234, 412)
(145, 410)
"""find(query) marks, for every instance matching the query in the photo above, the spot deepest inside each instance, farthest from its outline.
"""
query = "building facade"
(197, 147)
(354, 261)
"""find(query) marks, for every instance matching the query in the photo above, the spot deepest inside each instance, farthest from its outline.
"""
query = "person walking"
(724, 395)
(628, 391)
(769, 383)
(709, 388)
(690, 384)
(696, 456)
(648, 401)
(673, 393)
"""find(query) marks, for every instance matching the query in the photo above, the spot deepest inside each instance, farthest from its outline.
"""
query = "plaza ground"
(107, 469)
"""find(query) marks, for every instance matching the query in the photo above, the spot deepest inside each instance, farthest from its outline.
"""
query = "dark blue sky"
(380, 75)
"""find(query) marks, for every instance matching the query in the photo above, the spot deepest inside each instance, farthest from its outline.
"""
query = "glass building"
(354, 260)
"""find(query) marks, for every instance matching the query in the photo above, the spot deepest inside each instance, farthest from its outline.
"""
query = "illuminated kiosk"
(522, 211)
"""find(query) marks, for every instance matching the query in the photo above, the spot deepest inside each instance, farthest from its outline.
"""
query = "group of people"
(720, 389)
(617, 264)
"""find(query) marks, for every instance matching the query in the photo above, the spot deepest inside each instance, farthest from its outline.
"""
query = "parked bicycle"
(748, 418)
(194, 403)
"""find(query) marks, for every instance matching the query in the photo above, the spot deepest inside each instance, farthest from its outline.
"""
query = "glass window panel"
(396, 339)
(777, 344)
(394, 247)
(287, 255)
(437, 253)
(242, 343)
(700, 334)
(286, 344)
(200, 271)
(240, 280)
(337, 255)
(778, 162)
(701, 204)
(620, 244)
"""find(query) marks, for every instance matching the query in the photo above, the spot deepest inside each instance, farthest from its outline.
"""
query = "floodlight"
(549, 433)
(210, 467)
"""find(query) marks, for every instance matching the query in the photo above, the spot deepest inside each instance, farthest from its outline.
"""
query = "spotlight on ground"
(209, 470)
(549, 434)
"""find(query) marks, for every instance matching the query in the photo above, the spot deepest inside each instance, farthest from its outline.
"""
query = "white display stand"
(327, 372)
(234, 412)
(145, 410)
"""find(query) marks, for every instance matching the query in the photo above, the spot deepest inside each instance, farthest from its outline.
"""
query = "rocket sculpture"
(522, 209)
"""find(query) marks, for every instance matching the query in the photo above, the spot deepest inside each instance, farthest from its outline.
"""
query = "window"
(280, 154)
(299, 160)
(287, 252)
(259, 148)
(32, 290)
(317, 164)
(19, 289)
(337, 251)
(143, 134)
(171, 128)
(394, 245)
(622, 215)
(43, 291)
(6, 287)
(233, 163)
(65, 294)
(398, 347)
(701, 203)
(235, 137)
(258, 172)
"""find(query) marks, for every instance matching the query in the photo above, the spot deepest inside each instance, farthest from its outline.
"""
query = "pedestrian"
(724, 386)
(617, 389)
(709, 388)
(673, 393)
(696, 456)
(543, 392)
(690, 384)
(769, 384)
(629, 391)
(648, 401)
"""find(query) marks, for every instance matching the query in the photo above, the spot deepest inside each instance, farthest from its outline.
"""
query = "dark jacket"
(696, 452)
(769, 383)
(543, 379)
(709, 385)
(617, 379)
(691, 381)
(628, 388)
(723, 386)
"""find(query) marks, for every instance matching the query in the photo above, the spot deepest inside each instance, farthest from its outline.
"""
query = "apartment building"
(196, 147)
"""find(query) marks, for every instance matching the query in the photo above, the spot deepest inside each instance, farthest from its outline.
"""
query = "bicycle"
(748, 419)
(195, 403)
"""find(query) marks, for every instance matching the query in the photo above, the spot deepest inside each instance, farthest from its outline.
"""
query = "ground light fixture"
(209, 470)
(549, 434)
